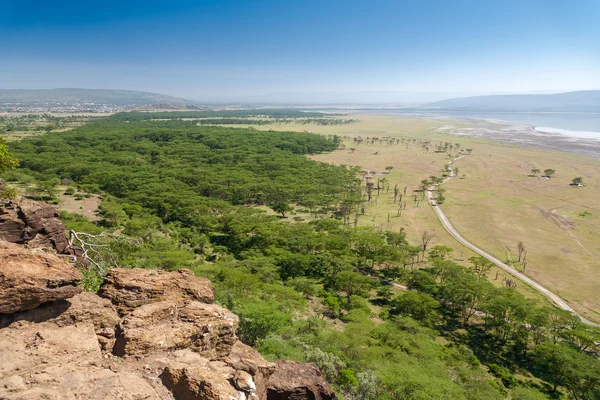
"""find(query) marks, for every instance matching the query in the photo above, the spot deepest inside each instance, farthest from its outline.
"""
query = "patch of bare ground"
(559, 220)
(85, 206)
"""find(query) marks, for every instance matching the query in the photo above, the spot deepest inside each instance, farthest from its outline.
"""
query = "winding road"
(454, 233)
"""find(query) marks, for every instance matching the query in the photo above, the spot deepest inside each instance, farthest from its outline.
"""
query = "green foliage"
(281, 207)
(9, 193)
(92, 279)
(7, 160)
(273, 113)
(259, 319)
(419, 306)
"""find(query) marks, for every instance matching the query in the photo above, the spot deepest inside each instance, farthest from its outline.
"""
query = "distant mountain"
(71, 97)
(582, 101)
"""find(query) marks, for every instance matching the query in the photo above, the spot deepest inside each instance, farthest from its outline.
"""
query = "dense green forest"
(277, 121)
(267, 113)
(177, 195)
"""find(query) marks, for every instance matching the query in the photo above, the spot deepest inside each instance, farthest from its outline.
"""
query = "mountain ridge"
(117, 97)
(577, 101)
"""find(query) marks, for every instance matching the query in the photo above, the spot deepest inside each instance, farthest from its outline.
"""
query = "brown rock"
(298, 381)
(84, 307)
(201, 382)
(205, 328)
(131, 288)
(45, 361)
(245, 358)
(29, 279)
(33, 223)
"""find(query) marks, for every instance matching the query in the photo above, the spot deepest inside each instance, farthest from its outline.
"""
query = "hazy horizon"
(267, 51)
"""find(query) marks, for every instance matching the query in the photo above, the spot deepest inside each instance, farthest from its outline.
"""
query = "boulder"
(207, 329)
(46, 361)
(244, 358)
(210, 381)
(33, 223)
(28, 279)
(84, 307)
(132, 288)
(298, 381)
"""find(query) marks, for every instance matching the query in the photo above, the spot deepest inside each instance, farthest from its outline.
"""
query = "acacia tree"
(425, 239)
(281, 207)
(481, 266)
(549, 172)
(577, 181)
(521, 250)
(535, 171)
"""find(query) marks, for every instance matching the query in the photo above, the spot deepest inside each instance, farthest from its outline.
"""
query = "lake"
(583, 125)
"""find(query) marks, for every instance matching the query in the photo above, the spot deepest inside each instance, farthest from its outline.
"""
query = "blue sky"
(302, 50)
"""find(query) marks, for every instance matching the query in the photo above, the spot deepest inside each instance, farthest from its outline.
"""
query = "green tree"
(259, 319)
(281, 207)
(416, 305)
(481, 265)
(549, 172)
(353, 283)
(7, 160)
(577, 181)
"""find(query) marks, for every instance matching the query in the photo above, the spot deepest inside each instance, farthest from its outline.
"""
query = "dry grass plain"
(497, 205)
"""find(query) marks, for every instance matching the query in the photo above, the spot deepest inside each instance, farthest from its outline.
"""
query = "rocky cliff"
(148, 334)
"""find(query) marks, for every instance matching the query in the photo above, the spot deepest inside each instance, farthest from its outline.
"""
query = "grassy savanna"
(495, 206)
(16, 126)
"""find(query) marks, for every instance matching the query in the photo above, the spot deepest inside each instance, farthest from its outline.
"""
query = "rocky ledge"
(148, 334)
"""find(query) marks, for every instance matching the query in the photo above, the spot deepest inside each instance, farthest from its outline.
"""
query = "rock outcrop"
(43, 361)
(244, 358)
(298, 381)
(28, 279)
(154, 335)
(33, 223)
(207, 329)
(132, 288)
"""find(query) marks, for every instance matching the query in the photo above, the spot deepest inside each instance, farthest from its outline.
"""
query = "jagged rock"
(173, 343)
(201, 382)
(245, 358)
(29, 279)
(298, 381)
(84, 307)
(205, 328)
(45, 361)
(131, 288)
(33, 223)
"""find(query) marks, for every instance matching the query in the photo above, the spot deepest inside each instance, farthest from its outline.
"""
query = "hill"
(74, 97)
(581, 101)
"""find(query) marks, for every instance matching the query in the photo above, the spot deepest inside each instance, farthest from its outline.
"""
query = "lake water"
(583, 125)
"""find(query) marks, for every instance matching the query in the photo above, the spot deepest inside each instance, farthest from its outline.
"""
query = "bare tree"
(510, 283)
(520, 249)
(425, 239)
(98, 251)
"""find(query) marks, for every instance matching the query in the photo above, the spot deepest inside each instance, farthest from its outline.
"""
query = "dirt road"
(452, 231)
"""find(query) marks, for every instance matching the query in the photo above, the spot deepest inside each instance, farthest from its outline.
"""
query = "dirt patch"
(559, 220)
(88, 207)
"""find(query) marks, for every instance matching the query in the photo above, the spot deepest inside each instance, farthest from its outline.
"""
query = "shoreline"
(518, 134)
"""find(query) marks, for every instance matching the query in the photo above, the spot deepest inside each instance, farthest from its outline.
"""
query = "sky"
(302, 50)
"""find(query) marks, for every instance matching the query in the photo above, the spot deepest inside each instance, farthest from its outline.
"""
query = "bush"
(8, 193)
(504, 374)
